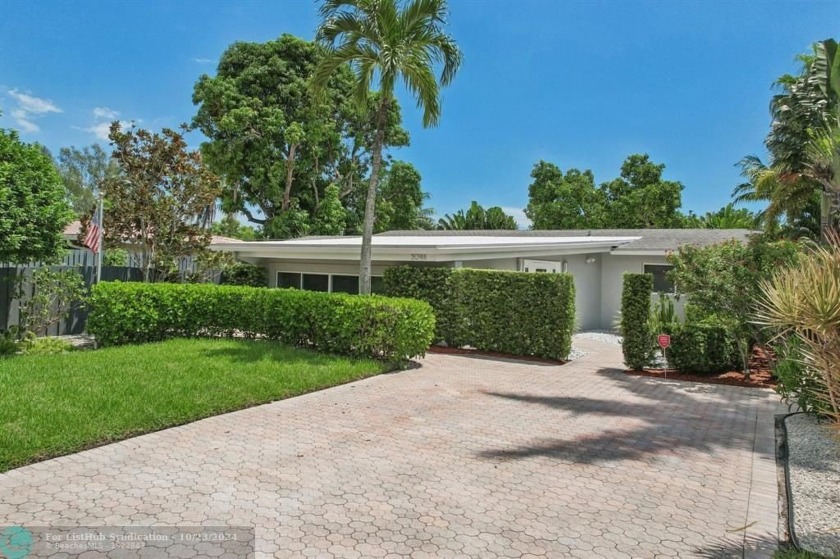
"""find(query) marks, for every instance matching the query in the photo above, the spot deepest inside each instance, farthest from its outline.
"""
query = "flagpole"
(101, 246)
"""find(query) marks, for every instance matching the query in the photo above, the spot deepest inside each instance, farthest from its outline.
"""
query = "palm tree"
(390, 41)
(804, 112)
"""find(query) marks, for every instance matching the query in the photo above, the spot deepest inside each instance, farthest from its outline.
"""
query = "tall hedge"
(515, 312)
(383, 328)
(705, 347)
(509, 312)
(430, 284)
(638, 344)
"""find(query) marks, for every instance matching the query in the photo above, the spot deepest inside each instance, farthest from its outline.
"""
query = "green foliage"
(477, 218)
(798, 383)
(277, 146)
(8, 342)
(82, 172)
(376, 327)
(230, 227)
(638, 342)
(663, 316)
(330, 217)
(45, 346)
(728, 217)
(515, 312)
(508, 312)
(723, 281)
(558, 201)
(400, 200)
(115, 257)
(640, 198)
(52, 295)
(245, 274)
(426, 284)
(33, 209)
(706, 347)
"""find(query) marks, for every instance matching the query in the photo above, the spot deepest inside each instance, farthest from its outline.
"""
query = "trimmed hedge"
(426, 284)
(638, 342)
(704, 347)
(371, 326)
(509, 312)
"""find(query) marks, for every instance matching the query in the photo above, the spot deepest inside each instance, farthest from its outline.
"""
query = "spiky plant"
(804, 300)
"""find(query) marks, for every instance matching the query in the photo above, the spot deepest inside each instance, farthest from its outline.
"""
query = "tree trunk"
(370, 202)
(826, 207)
(290, 169)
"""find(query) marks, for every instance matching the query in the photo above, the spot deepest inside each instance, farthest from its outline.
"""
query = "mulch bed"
(493, 354)
(761, 375)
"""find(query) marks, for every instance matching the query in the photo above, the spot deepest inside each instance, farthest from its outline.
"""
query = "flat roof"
(433, 248)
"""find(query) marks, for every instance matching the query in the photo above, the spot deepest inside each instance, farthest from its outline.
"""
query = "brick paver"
(459, 457)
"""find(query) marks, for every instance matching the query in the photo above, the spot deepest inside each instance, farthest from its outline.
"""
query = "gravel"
(814, 462)
(603, 336)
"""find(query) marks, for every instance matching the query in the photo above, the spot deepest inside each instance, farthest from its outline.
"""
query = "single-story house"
(596, 258)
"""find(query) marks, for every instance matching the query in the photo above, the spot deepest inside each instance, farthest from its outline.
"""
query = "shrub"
(663, 317)
(429, 284)
(514, 312)
(384, 328)
(509, 312)
(706, 347)
(638, 342)
(243, 273)
(798, 384)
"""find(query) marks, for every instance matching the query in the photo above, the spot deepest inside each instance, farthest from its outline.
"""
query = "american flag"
(92, 236)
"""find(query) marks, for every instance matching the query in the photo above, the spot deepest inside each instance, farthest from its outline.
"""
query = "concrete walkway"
(460, 457)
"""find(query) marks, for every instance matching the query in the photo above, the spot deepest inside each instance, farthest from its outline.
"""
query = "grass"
(790, 553)
(51, 405)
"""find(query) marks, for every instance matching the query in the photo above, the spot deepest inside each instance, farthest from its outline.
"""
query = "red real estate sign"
(664, 341)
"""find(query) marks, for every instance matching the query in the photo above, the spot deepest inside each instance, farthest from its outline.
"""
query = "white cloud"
(204, 60)
(519, 215)
(23, 122)
(100, 130)
(104, 113)
(29, 106)
(33, 105)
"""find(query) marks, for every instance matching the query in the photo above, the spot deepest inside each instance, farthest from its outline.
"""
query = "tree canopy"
(638, 199)
(33, 208)
(276, 145)
(477, 218)
(161, 202)
(401, 199)
(83, 171)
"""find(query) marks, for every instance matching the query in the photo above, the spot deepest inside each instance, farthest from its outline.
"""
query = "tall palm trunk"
(825, 215)
(370, 201)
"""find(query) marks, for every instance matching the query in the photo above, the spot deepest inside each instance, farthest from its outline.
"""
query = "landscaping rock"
(814, 466)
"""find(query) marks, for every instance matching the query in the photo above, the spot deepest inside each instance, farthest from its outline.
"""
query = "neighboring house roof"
(647, 240)
(74, 229)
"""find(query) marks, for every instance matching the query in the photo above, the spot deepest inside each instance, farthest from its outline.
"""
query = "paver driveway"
(458, 457)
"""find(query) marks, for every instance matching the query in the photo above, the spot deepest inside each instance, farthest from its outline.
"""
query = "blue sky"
(579, 83)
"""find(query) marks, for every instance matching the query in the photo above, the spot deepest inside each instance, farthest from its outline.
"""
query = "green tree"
(276, 146)
(230, 226)
(387, 40)
(331, 217)
(564, 201)
(727, 217)
(33, 209)
(401, 198)
(477, 218)
(640, 198)
(723, 281)
(162, 201)
(804, 114)
(82, 171)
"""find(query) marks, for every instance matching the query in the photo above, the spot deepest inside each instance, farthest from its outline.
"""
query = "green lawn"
(52, 405)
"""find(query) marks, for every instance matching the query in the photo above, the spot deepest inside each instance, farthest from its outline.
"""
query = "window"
(377, 284)
(316, 282)
(288, 279)
(661, 283)
(345, 284)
